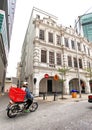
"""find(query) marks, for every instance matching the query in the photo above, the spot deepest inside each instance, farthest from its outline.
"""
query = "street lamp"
(78, 71)
(20, 69)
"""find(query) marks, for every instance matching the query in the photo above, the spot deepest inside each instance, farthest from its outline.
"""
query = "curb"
(65, 100)
(3, 94)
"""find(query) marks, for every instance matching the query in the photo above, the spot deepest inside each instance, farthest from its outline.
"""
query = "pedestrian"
(29, 96)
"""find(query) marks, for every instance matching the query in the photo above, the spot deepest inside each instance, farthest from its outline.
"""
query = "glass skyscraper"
(86, 22)
(7, 10)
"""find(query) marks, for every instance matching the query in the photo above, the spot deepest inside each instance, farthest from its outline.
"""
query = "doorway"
(49, 86)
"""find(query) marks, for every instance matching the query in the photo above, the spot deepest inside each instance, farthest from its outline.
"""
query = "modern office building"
(7, 9)
(11, 10)
(85, 25)
(49, 47)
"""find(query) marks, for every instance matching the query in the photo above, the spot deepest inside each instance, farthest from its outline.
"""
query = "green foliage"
(63, 71)
(89, 70)
(62, 80)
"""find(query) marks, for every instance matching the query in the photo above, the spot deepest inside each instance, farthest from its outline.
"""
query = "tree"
(62, 72)
(89, 74)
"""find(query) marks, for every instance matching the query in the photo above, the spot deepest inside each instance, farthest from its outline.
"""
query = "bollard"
(43, 96)
(55, 96)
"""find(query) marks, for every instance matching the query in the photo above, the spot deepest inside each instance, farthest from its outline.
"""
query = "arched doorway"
(90, 83)
(73, 84)
(82, 86)
(46, 85)
(49, 86)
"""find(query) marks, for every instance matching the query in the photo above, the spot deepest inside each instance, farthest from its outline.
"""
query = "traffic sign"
(56, 77)
(46, 76)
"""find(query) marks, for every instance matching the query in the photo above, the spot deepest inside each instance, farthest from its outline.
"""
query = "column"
(35, 86)
(46, 35)
(66, 87)
(37, 31)
(87, 87)
(36, 56)
(62, 40)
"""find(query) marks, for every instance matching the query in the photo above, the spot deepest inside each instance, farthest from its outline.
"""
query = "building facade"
(10, 82)
(11, 11)
(5, 33)
(49, 47)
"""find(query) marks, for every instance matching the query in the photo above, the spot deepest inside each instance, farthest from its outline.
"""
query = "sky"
(66, 11)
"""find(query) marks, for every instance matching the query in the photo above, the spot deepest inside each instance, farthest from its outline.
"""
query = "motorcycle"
(15, 108)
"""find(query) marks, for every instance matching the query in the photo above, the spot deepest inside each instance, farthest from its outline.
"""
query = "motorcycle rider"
(29, 96)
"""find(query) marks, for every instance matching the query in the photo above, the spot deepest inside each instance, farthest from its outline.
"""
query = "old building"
(49, 47)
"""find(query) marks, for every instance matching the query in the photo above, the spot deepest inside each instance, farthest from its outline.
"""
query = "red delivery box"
(17, 94)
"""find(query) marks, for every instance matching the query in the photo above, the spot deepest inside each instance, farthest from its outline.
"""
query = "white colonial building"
(48, 47)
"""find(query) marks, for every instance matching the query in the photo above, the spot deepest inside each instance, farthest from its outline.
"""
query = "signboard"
(46, 76)
(56, 77)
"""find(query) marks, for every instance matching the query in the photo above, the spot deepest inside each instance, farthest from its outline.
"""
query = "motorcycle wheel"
(33, 107)
(12, 112)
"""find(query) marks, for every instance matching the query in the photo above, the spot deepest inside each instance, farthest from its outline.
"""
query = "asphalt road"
(50, 116)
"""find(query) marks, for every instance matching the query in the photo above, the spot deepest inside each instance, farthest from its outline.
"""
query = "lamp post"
(78, 71)
(20, 69)
(46, 76)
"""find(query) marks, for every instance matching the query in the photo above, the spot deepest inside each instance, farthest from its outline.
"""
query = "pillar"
(87, 87)
(35, 85)
(66, 87)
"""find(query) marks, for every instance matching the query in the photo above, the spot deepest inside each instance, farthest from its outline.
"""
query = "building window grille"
(58, 56)
(79, 47)
(51, 58)
(41, 34)
(69, 61)
(75, 62)
(58, 40)
(44, 56)
(80, 63)
(72, 44)
(50, 37)
(66, 42)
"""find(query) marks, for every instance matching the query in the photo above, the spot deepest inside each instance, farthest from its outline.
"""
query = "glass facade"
(86, 22)
(3, 31)
(1, 21)
(5, 38)
(11, 11)
(7, 10)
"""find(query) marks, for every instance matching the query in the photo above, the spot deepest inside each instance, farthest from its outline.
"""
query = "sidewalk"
(51, 98)
(66, 98)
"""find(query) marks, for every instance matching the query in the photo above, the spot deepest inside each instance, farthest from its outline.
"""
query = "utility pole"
(78, 71)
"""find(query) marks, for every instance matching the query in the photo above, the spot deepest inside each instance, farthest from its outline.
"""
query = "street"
(53, 115)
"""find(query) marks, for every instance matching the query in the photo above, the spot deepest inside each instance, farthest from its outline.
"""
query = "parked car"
(90, 98)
